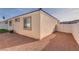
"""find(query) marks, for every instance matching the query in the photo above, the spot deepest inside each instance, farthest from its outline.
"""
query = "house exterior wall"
(75, 32)
(47, 24)
(3, 25)
(42, 25)
(18, 27)
(64, 28)
(10, 27)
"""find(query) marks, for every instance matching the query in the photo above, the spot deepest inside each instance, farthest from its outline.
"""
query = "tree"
(3, 17)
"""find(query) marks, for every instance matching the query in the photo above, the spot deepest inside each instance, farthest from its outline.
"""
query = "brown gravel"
(55, 42)
(13, 39)
(62, 42)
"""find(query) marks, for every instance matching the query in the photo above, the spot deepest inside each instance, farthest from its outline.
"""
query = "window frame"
(25, 20)
(17, 19)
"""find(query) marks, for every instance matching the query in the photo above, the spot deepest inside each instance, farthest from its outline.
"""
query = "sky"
(65, 14)
(62, 14)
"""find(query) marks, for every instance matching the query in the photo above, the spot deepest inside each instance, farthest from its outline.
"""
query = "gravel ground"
(55, 42)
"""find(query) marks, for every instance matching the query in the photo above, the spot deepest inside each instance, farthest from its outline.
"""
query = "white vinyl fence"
(75, 31)
(70, 28)
(3, 25)
(64, 28)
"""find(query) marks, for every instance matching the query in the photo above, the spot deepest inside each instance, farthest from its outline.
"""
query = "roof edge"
(24, 14)
(39, 9)
(48, 14)
(70, 22)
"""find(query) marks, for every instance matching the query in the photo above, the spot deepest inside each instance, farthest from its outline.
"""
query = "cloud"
(67, 14)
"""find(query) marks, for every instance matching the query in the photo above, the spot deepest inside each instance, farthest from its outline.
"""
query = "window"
(17, 20)
(27, 23)
(10, 23)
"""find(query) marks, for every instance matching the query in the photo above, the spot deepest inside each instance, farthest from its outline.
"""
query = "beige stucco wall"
(18, 27)
(42, 25)
(64, 28)
(11, 27)
(47, 24)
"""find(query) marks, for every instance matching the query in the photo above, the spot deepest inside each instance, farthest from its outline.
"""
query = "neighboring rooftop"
(70, 22)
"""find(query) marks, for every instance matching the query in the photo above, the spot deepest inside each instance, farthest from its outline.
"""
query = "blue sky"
(11, 12)
(61, 13)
